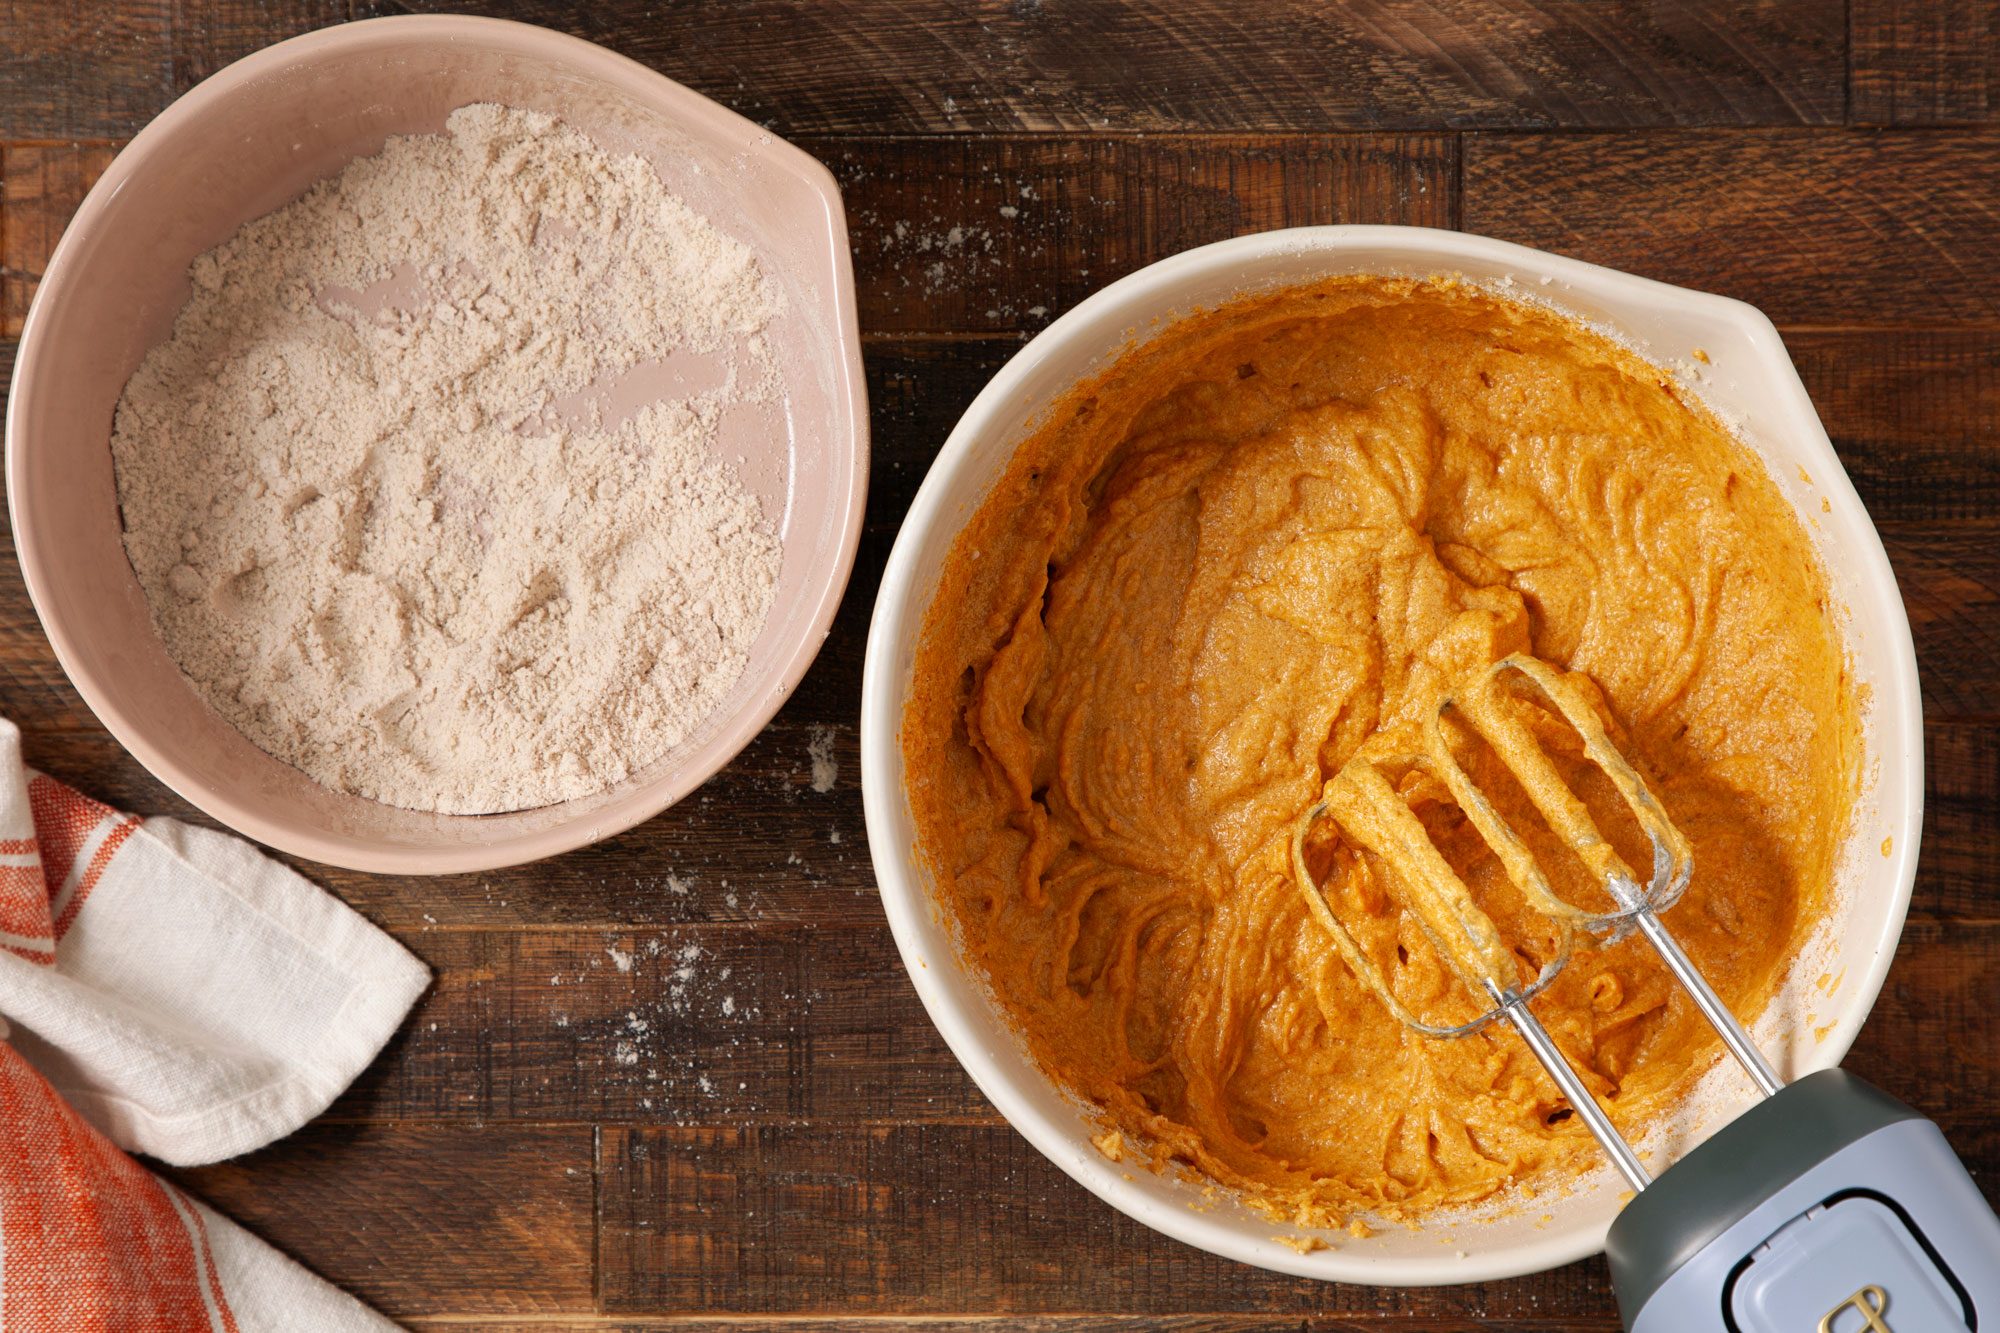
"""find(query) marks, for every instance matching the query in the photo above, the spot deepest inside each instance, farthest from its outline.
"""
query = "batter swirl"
(1252, 544)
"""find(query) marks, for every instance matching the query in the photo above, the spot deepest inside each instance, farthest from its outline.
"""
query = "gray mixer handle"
(1829, 1207)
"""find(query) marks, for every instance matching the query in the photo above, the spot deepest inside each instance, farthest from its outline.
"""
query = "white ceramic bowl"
(1749, 380)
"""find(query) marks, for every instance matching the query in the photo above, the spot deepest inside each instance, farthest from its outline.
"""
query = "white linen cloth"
(168, 990)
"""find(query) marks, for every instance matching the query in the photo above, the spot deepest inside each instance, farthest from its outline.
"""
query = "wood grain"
(79, 69)
(1923, 62)
(1814, 227)
(414, 1218)
(788, 1024)
(1063, 1323)
(713, 1024)
(1019, 1323)
(984, 235)
(1961, 846)
(74, 69)
(1951, 591)
(1911, 414)
(928, 1219)
(85, 69)
(40, 187)
(809, 66)
(779, 858)
(205, 35)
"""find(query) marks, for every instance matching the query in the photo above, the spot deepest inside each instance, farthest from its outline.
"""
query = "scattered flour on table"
(825, 763)
(383, 519)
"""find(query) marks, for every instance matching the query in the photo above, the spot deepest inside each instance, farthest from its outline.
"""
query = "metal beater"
(1766, 1227)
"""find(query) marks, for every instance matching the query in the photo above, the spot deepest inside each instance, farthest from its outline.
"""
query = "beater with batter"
(1829, 1205)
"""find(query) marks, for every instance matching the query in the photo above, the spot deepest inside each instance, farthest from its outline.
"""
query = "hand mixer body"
(1830, 1206)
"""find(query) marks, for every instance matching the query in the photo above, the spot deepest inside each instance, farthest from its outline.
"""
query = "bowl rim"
(849, 394)
(952, 1000)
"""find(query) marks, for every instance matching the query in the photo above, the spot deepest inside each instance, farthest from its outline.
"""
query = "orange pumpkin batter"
(1253, 543)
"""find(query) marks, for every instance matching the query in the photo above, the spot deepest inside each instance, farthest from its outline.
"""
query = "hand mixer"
(1829, 1207)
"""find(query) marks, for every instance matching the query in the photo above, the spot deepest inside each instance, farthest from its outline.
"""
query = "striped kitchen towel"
(167, 990)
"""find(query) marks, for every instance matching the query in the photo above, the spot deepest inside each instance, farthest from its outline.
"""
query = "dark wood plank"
(1949, 574)
(680, 1025)
(805, 66)
(82, 69)
(1911, 413)
(1958, 867)
(1929, 1039)
(1815, 227)
(1033, 1323)
(792, 1024)
(819, 1212)
(74, 69)
(1923, 62)
(1000, 234)
(208, 34)
(415, 1219)
(940, 1219)
(40, 187)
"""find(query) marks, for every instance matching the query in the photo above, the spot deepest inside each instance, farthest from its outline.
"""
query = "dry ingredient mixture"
(373, 489)
(1276, 533)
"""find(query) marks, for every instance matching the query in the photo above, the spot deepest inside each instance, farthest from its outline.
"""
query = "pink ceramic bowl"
(252, 138)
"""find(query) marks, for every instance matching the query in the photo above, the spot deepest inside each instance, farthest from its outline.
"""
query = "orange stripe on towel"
(226, 1318)
(113, 840)
(65, 822)
(24, 910)
(93, 1240)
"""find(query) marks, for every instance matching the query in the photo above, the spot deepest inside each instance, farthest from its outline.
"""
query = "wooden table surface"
(574, 1133)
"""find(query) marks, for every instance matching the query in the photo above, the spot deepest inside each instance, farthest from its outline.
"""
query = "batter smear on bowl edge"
(1253, 543)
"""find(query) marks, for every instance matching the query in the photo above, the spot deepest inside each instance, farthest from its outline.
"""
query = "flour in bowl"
(375, 493)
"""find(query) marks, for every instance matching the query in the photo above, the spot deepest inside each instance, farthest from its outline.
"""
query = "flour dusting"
(825, 763)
